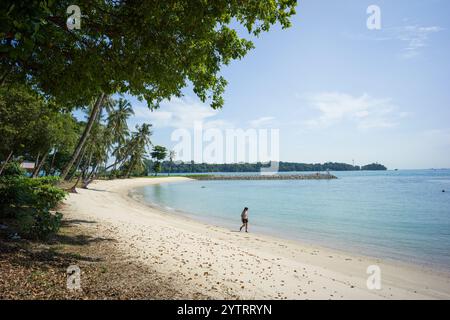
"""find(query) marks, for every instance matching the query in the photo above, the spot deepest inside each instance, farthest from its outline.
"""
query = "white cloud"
(365, 111)
(218, 124)
(179, 113)
(414, 37)
(261, 122)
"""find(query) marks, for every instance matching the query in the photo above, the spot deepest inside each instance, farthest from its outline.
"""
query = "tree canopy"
(150, 49)
(159, 153)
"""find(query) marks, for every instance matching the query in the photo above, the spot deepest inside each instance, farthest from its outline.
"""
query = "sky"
(334, 89)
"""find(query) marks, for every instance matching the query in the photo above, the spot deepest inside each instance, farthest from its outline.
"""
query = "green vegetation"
(138, 48)
(374, 167)
(44, 62)
(159, 153)
(183, 41)
(191, 167)
(30, 201)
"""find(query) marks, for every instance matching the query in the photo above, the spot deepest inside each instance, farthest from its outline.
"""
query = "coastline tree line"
(48, 71)
(169, 166)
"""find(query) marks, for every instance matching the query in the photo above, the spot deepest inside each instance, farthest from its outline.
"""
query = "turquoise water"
(399, 215)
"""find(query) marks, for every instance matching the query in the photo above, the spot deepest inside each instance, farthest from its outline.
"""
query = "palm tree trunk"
(90, 177)
(132, 162)
(104, 166)
(88, 164)
(113, 165)
(77, 166)
(36, 162)
(92, 118)
(73, 189)
(6, 162)
(50, 171)
(37, 169)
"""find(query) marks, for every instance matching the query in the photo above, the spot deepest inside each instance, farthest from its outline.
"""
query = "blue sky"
(336, 90)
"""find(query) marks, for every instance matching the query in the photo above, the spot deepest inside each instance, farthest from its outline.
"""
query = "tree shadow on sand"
(60, 250)
(69, 238)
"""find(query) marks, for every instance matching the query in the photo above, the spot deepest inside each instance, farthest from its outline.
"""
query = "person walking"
(244, 217)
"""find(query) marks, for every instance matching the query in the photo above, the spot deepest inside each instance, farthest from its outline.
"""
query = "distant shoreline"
(193, 167)
(317, 176)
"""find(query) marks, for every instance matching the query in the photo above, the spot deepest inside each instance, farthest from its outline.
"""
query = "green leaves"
(31, 124)
(146, 48)
(31, 201)
(159, 153)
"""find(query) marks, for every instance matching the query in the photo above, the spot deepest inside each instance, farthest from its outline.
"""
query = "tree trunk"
(130, 169)
(92, 118)
(116, 162)
(104, 166)
(6, 162)
(73, 189)
(37, 169)
(50, 171)
(90, 177)
(36, 162)
(77, 166)
(88, 165)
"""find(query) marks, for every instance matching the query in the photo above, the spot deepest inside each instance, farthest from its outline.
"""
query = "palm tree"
(117, 121)
(172, 155)
(132, 152)
(117, 127)
(95, 111)
(137, 150)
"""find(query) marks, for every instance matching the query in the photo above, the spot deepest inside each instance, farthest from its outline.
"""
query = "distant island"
(192, 167)
(374, 166)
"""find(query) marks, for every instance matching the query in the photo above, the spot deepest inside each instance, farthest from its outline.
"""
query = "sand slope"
(227, 264)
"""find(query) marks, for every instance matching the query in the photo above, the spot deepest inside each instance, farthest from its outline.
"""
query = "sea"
(399, 215)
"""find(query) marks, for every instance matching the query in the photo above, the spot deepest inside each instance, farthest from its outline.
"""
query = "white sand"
(225, 264)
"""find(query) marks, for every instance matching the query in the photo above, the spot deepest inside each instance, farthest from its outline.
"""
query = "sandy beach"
(224, 264)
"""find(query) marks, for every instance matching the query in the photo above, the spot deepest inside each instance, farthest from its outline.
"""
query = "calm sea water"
(400, 215)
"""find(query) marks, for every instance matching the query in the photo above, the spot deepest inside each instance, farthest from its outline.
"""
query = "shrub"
(39, 225)
(115, 173)
(31, 201)
(13, 168)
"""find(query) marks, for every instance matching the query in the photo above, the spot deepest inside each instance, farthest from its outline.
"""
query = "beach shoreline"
(357, 252)
(225, 264)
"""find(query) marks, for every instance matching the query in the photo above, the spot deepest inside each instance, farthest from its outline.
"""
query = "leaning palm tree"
(117, 127)
(137, 150)
(117, 121)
